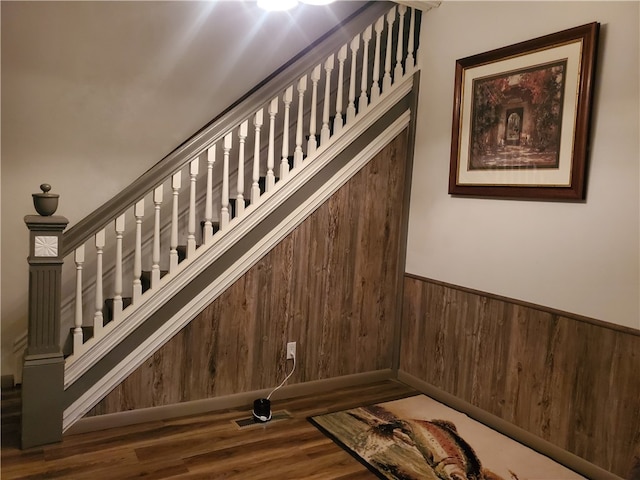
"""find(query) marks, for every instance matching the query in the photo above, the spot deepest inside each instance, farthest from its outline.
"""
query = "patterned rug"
(419, 438)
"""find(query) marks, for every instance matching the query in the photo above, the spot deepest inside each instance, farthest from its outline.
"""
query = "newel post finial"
(43, 366)
(45, 203)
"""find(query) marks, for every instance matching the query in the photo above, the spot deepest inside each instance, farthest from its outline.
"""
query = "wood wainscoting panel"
(331, 286)
(572, 381)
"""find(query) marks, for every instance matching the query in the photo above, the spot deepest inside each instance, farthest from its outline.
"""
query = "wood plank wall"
(572, 381)
(331, 285)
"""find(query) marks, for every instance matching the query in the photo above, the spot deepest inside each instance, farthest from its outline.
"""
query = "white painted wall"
(582, 258)
(95, 93)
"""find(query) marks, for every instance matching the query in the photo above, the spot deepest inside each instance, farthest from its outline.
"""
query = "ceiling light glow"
(317, 2)
(277, 5)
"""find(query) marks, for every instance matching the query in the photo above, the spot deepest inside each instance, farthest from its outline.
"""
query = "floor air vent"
(250, 421)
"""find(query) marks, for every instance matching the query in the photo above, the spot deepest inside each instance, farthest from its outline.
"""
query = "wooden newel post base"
(43, 370)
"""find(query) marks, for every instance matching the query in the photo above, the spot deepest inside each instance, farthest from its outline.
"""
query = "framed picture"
(521, 118)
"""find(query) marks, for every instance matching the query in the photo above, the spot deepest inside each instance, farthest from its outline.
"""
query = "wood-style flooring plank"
(208, 446)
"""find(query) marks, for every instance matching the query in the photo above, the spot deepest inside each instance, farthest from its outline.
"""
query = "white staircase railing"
(128, 261)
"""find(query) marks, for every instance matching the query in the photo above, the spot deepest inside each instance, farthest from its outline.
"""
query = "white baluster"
(364, 100)
(284, 163)
(386, 80)
(337, 121)
(224, 211)
(255, 187)
(138, 212)
(375, 86)
(297, 154)
(176, 184)
(242, 136)
(155, 255)
(271, 179)
(397, 73)
(328, 68)
(208, 207)
(312, 143)
(411, 63)
(351, 107)
(194, 168)
(98, 317)
(77, 331)
(117, 289)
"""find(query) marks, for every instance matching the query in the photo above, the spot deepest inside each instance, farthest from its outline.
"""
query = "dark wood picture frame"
(521, 117)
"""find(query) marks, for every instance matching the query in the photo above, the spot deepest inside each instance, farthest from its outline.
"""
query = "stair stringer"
(302, 194)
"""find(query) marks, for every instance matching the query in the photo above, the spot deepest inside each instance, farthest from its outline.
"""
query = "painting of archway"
(516, 118)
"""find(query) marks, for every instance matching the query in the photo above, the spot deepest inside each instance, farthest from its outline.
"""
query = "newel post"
(43, 368)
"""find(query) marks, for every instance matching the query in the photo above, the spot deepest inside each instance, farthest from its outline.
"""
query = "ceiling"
(110, 67)
(139, 77)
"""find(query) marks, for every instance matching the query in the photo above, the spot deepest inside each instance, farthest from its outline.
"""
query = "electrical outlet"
(291, 350)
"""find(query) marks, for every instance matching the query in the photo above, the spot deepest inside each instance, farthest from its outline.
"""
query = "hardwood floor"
(209, 446)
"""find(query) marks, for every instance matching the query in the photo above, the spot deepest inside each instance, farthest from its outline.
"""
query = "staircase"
(139, 268)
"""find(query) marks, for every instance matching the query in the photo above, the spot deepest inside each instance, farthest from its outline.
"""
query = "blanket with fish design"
(419, 438)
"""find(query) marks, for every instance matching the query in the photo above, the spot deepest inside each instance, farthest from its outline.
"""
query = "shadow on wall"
(634, 473)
